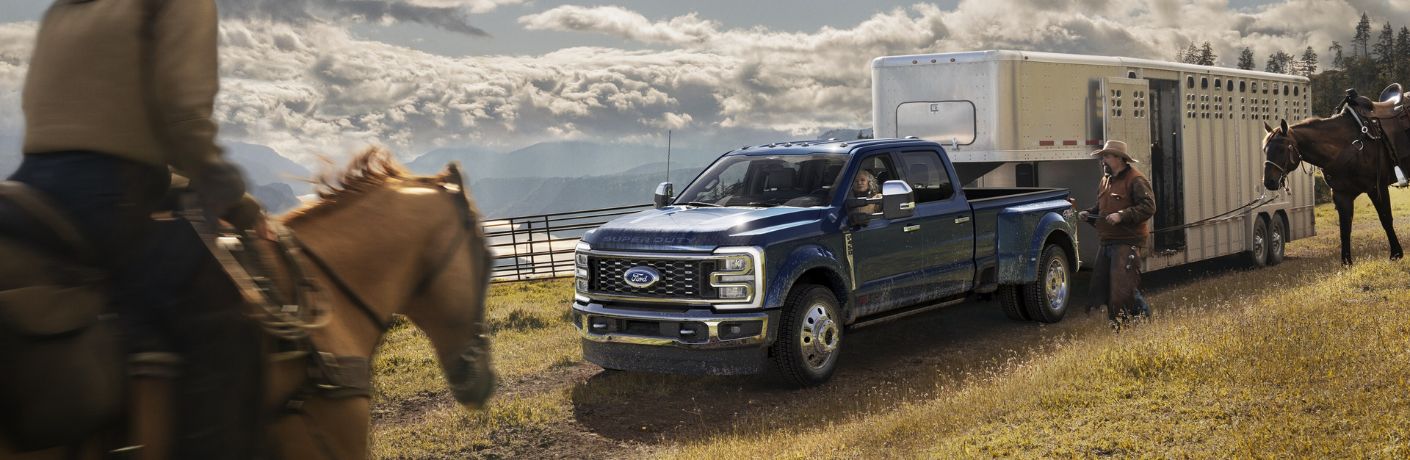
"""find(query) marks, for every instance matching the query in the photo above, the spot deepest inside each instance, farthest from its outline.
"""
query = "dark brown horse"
(1352, 163)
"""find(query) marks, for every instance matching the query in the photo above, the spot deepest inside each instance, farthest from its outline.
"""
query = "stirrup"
(1400, 180)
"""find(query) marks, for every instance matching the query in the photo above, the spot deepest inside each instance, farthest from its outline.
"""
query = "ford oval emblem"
(641, 277)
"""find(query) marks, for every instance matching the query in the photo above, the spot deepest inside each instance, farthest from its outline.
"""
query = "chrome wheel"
(1056, 285)
(819, 337)
(1258, 247)
(1277, 244)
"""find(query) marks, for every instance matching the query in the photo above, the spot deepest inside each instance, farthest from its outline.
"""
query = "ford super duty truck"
(771, 255)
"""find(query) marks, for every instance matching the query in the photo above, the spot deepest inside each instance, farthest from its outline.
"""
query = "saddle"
(1385, 120)
(62, 352)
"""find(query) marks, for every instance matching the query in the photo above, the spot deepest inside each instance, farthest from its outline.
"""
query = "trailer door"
(1126, 115)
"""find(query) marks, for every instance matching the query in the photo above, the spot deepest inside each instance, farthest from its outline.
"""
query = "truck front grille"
(680, 279)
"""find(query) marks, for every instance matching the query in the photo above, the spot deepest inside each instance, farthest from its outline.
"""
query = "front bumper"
(697, 341)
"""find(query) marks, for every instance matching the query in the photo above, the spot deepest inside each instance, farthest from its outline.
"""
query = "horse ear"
(1267, 128)
(451, 175)
(1284, 126)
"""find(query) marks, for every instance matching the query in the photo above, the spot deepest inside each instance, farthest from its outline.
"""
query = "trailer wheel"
(1010, 300)
(809, 336)
(1046, 299)
(1277, 238)
(1258, 252)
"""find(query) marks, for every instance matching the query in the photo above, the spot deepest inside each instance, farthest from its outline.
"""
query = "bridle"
(1294, 157)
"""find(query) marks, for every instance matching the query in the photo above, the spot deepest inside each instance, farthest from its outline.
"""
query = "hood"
(692, 229)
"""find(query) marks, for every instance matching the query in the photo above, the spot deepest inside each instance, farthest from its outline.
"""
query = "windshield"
(777, 180)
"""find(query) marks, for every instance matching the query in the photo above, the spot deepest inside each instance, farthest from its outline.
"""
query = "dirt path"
(617, 414)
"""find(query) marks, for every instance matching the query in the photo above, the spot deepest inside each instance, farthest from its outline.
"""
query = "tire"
(1046, 299)
(809, 336)
(1010, 300)
(1277, 241)
(1258, 252)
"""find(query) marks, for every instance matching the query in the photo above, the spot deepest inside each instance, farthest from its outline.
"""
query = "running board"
(872, 320)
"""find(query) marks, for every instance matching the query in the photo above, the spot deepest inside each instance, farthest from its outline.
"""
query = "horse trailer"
(1024, 119)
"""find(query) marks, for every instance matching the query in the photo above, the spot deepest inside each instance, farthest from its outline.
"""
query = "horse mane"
(370, 169)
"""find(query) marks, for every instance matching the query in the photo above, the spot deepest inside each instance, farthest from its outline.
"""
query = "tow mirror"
(664, 194)
(897, 200)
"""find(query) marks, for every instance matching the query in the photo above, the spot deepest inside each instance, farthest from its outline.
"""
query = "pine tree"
(1206, 55)
(1338, 61)
(1246, 59)
(1385, 52)
(1308, 63)
(1402, 55)
(1360, 43)
(1190, 55)
(1279, 62)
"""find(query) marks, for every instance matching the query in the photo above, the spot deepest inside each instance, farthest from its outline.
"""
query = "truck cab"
(768, 257)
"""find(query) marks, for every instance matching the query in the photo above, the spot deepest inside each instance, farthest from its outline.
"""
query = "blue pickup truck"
(769, 256)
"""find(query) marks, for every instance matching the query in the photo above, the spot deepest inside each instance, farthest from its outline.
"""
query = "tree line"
(1368, 65)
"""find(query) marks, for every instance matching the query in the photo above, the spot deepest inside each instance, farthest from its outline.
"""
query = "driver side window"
(874, 171)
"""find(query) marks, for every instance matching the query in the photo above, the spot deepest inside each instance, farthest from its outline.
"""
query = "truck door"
(945, 224)
(884, 252)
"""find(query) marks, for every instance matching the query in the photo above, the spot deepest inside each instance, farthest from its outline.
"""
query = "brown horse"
(379, 242)
(1351, 163)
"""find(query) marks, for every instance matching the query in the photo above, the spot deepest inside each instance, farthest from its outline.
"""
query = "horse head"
(1281, 155)
(395, 243)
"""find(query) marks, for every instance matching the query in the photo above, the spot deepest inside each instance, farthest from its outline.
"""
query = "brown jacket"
(1127, 193)
(132, 78)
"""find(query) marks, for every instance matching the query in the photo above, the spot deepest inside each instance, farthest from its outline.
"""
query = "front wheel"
(1046, 298)
(809, 336)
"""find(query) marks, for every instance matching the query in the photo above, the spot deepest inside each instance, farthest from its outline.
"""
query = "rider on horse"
(118, 92)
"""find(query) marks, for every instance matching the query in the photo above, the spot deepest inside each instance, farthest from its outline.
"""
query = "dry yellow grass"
(1302, 360)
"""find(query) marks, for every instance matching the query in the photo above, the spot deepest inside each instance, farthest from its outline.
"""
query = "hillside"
(1300, 360)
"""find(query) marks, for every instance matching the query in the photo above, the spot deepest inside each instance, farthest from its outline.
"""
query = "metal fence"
(539, 247)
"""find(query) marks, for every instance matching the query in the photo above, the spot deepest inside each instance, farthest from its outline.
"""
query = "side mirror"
(665, 192)
(897, 200)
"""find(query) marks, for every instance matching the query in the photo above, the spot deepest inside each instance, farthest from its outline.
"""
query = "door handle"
(961, 220)
(910, 228)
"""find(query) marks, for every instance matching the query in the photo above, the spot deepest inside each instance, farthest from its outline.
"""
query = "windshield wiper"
(762, 205)
(700, 203)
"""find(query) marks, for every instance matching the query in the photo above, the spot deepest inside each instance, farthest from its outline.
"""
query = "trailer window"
(1218, 83)
(927, 176)
(1204, 83)
(1243, 87)
(1190, 82)
(945, 122)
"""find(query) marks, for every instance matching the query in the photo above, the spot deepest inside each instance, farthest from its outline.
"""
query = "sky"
(325, 77)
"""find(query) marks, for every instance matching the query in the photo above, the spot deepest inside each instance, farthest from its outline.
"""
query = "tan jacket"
(110, 76)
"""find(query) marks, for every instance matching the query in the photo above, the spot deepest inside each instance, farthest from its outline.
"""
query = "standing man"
(118, 91)
(1125, 202)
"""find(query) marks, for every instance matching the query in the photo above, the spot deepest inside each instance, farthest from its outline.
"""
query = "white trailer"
(1017, 118)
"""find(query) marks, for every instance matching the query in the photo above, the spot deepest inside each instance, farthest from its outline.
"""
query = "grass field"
(1306, 359)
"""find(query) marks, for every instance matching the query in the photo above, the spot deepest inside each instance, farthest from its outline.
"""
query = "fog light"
(582, 285)
(733, 292)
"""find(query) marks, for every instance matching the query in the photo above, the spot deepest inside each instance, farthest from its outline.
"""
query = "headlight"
(580, 259)
(580, 268)
(736, 275)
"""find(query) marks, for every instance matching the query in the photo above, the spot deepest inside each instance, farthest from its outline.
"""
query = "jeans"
(168, 292)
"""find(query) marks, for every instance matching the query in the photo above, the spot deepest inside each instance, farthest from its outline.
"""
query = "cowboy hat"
(1115, 148)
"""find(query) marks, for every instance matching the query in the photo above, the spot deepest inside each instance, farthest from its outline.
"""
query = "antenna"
(668, 155)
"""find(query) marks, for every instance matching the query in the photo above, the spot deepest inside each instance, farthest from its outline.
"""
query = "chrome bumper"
(693, 329)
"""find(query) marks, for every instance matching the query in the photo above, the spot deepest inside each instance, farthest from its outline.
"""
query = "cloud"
(300, 82)
(450, 15)
(612, 20)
